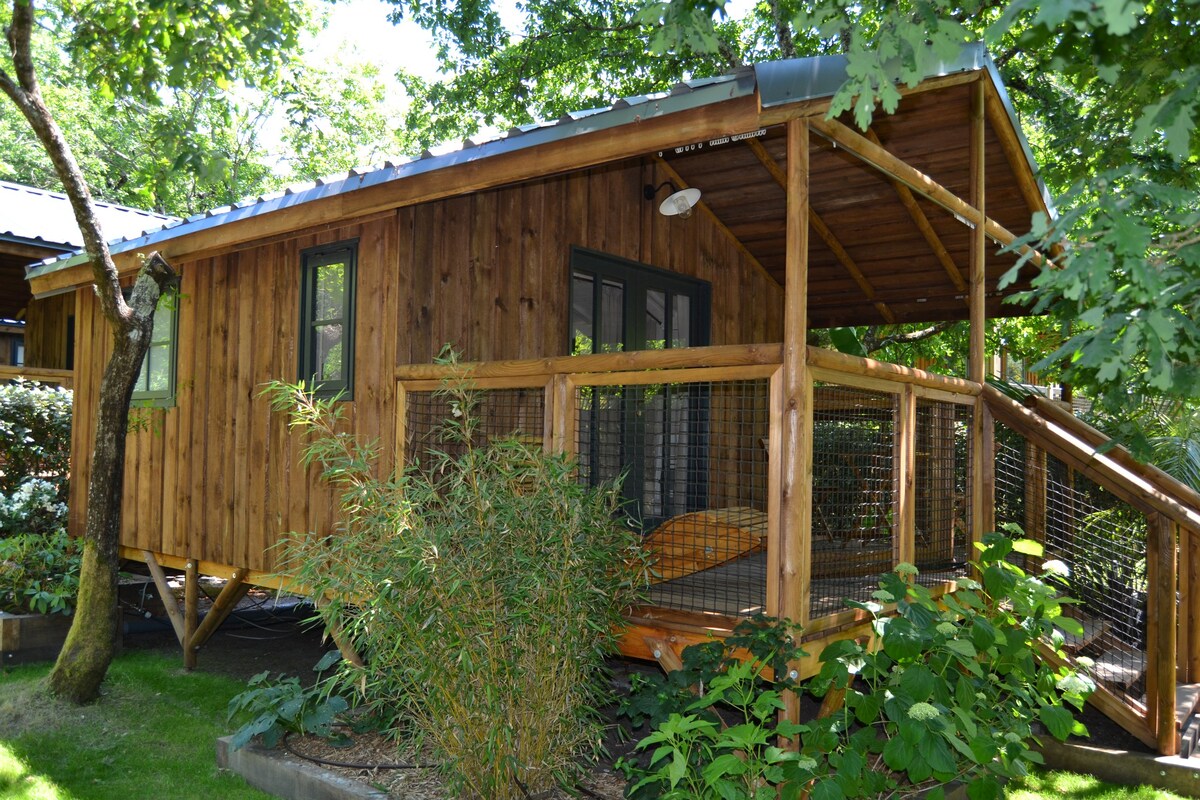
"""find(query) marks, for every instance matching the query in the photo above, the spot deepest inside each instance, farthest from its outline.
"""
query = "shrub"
(35, 449)
(950, 692)
(39, 572)
(485, 587)
(277, 707)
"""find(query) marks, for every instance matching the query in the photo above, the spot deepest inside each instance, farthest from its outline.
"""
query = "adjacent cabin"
(38, 336)
(635, 286)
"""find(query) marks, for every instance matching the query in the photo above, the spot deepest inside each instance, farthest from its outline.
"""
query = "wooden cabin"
(37, 337)
(619, 316)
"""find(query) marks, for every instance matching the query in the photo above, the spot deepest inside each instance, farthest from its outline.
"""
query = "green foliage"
(39, 573)
(486, 587)
(948, 691)
(1128, 286)
(280, 706)
(35, 451)
(35, 433)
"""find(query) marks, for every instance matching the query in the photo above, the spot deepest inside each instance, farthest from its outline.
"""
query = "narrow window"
(156, 382)
(327, 319)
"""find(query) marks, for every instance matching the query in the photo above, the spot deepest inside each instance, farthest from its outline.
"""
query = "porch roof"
(878, 252)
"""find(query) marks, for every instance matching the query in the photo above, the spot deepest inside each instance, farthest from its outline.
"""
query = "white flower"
(1056, 567)
(923, 711)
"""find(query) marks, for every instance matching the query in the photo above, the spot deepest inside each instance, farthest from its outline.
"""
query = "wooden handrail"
(1163, 481)
(1128, 483)
(60, 377)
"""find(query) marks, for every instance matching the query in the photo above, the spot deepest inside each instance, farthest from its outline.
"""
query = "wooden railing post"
(1161, 620)
(904, 546)
(1189, 579)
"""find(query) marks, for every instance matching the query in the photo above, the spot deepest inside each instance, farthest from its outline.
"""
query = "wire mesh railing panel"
(1102, 541)
(852, 494)
(692, 462)
(942, 493)
(498, 413)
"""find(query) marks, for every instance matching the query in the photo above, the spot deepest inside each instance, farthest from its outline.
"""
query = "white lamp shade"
(681, 203)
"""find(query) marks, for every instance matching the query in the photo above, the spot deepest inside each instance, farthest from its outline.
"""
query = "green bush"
(950, 693)
(483, 590)
(35, 450)
(39, 573)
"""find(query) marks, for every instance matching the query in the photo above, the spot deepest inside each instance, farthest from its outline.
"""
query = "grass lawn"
(150, 735)
(1070, 786)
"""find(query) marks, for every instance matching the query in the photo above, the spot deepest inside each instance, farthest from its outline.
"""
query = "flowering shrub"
(35, 507)
(949, 692)
(35, 449)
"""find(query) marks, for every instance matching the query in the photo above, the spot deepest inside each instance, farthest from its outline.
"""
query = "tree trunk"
(89, 648)
(91, 642)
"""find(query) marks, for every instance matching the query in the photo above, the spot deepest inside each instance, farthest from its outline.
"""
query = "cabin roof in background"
(41, 218)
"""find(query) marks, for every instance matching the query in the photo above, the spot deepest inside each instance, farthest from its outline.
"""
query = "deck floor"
(739, 588)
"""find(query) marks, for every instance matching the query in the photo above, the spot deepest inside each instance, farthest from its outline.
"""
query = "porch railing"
(57, 377)
(694, 433)
(1130, 535)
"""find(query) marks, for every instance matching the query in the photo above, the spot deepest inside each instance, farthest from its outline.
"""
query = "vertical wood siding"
(217, 476)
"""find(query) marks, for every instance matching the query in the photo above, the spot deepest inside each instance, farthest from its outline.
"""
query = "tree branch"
(28, 98)
(872, 341)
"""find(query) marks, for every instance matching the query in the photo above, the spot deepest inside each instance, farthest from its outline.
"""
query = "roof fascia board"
(644, 134)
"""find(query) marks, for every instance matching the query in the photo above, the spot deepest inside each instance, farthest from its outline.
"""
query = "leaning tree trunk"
(89, 648)
(91, 641)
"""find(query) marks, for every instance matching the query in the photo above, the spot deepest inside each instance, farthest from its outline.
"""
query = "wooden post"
(795, 500)
(191, 612)
(774, 492)
(1161, 615)
(1192, 582)
(401, 427)
(904, 546)
(977, 361)
(168, 597)
(226, 601)
(1035, 493)
(560, 407)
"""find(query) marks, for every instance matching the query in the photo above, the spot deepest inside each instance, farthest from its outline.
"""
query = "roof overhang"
(904, 272)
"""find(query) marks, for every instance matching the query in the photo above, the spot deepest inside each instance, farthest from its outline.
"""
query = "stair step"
(1093, 630)
(1120, 667)
(1187, 697)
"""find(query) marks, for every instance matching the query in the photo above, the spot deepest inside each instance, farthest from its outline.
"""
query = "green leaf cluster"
(947, 690)
(39, 573)
(482, 588)
(280, 706)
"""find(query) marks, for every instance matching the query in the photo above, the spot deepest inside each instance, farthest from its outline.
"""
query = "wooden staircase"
(1153, 692)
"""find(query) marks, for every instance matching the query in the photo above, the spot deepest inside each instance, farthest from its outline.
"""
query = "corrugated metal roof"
(778, 83)
(42, 218)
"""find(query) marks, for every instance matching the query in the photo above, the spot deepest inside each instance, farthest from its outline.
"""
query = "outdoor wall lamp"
(679, 203)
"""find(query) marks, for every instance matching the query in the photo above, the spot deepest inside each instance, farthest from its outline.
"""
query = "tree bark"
(89, 648)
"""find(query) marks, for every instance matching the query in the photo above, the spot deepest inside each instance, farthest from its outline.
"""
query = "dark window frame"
(158, 398)
(311, 260)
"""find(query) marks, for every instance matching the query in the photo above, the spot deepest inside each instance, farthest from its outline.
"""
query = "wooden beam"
(795, 504)
(981, 450)
(1010, 145)
(714, 356)
(400, 439)
(827, 235)
(168, 596)
(774, 491)
(925, 227)
(191, 612)
(234, 590)
(879, 158)
(680, 183)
